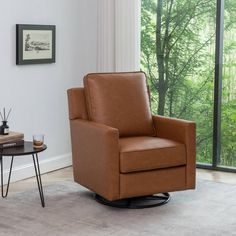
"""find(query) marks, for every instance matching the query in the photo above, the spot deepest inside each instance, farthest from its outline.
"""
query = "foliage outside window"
(178, 54)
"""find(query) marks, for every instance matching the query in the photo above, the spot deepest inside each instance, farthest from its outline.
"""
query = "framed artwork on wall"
(35, 44)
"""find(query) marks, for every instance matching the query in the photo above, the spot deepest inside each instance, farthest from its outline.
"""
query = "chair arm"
(182, 131)
(95, 150)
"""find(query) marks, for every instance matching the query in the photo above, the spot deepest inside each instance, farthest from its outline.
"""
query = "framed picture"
(35, 44)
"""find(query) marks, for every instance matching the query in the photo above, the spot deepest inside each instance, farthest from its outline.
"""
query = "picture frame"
(35, 44)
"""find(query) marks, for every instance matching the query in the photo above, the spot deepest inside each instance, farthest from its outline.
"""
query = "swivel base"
(136, 202)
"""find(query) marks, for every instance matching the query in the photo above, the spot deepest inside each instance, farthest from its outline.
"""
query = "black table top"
(27, 149)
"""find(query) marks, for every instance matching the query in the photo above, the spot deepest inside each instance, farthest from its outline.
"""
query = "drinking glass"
(38, 140)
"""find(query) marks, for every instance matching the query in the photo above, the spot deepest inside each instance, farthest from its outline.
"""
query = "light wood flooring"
(66, 174)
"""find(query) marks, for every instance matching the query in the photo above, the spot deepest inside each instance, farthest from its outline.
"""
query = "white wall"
(37, 93)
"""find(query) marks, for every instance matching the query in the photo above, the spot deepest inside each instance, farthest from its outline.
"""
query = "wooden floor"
(47, 179)
(66, 174)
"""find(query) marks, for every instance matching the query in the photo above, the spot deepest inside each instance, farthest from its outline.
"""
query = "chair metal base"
(136, 202)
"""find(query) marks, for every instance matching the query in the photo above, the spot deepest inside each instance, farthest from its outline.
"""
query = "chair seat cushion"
(148, 153)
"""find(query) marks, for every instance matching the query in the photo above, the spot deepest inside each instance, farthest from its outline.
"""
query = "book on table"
(13, 139)
(17, 143)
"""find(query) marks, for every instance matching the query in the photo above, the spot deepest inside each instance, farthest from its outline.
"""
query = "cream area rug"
(71, 210)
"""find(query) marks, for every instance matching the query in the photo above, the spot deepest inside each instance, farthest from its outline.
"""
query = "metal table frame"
(36, 168)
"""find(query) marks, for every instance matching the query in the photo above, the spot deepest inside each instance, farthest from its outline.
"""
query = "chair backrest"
(119, 100)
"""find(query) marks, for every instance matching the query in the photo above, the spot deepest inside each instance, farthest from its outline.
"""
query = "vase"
(4, 129)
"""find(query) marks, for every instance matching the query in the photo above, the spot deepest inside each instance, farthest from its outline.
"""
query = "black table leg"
(38, 177)
(9, 176)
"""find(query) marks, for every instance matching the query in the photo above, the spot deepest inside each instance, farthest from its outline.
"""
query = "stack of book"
(13, 139)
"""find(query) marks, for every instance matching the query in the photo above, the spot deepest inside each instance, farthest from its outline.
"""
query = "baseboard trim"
(27, 171)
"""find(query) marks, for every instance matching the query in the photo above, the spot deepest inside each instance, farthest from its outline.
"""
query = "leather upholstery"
(145, 183)
(77, 104)
(150, 153)
(119, 100)
(95, 151)
(184, 132)
(119, 167)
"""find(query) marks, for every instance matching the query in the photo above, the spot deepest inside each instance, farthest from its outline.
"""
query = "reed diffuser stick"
(8, 114)
(1, 116)
(4, 116)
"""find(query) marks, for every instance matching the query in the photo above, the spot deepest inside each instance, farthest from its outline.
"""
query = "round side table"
(27, 149)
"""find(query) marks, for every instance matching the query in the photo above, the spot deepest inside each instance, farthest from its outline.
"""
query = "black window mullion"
(218, 82)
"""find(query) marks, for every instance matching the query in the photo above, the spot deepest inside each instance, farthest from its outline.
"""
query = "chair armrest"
(95, 150)
(182, 131)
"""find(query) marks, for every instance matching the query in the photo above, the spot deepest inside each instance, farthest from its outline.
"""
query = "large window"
(228, 110)
(179, 55)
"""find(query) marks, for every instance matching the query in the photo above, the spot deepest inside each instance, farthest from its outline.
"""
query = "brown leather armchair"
(120, 150)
